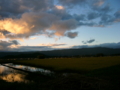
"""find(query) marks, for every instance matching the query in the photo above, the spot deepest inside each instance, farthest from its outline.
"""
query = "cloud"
(21, 19)
(72, 34)
(117, 14)
(62, 26)
(98, 3)
(17, 7)
(106, 45)
(106, 9)
(52, 45)
(5, 45)
(100, 6)
(59, 7)
(32, 23)
(93, 15)
(14, 42)
(72, 2)
(13, 45)
(79, 17)
(107, 20)
(89, 41)
(33, 38)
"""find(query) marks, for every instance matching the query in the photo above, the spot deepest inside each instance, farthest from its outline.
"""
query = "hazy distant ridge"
(70, 52)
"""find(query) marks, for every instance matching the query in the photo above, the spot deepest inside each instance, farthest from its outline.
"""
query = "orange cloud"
(16, 26)
(59, 7)
(31, 23)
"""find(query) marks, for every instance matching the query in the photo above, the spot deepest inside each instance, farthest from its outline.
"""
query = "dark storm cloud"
(107, 45)
(89, 41)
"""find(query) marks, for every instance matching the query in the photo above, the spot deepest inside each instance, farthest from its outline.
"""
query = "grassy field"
(95, 73)
(74, 64)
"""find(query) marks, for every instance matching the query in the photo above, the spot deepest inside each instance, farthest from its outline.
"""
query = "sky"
(41, 25)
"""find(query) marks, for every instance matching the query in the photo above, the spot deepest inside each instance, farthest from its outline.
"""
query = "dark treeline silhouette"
(42, 56)
(25, 56)
(66, 53)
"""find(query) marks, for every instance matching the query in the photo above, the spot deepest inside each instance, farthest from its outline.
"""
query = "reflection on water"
(11, 75)
(31, 69)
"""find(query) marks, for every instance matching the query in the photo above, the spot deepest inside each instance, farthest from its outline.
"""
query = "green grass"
(74, 64)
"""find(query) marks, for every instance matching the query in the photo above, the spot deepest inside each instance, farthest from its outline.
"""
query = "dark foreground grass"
(101, 73)
(69, 82)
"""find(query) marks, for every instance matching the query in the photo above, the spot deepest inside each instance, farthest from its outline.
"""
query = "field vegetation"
(73, 64)
(87, 73)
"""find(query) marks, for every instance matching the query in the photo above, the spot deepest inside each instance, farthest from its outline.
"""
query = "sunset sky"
(40, 25)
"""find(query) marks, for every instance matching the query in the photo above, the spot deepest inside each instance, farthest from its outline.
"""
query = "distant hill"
(69, 52)
(83, 51)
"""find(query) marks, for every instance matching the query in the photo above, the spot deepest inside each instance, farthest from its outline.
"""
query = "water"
(11, 75)
(30, 69)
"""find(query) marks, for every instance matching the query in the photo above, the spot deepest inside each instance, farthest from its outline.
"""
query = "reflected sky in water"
(11, 75)
(31, 69)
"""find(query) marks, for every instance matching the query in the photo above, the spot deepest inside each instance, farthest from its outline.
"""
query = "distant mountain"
(82, 51)
(68, 52)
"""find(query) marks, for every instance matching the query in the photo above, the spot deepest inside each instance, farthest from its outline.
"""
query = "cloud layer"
(13, 45)
(7, 45)
(107, 45)
(24, 18)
